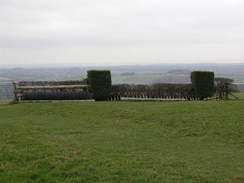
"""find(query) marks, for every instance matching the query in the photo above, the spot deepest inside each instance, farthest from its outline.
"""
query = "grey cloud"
(122, 25)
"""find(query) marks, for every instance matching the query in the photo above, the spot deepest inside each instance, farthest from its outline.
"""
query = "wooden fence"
(155, 91)
(50, 90)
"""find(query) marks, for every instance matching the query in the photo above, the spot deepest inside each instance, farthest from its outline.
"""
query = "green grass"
(239, 95)
(190, 141)
(5, 100)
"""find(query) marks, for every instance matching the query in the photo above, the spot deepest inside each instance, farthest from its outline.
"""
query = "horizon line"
(111, 65)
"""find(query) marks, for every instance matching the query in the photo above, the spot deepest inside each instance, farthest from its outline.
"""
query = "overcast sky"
(121, 32)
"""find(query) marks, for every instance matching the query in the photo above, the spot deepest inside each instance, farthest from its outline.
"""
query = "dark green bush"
(202, 84)
(100, 84)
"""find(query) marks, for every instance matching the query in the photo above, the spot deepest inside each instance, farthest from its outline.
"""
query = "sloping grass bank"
(190, 141)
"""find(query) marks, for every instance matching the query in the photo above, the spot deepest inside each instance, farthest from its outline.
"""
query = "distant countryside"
(148, 74)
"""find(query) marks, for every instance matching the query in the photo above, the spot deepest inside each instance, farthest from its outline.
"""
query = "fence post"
(13, 90)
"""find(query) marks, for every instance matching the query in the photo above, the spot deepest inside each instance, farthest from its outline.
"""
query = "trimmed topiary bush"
(100, 84)
(202, 84)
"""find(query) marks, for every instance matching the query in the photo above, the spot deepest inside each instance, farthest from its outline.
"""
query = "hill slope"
(190, 141)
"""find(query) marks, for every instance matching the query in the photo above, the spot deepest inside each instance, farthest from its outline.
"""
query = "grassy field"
(135, 79)
(239, 95)
(236, 78)
(189, 141)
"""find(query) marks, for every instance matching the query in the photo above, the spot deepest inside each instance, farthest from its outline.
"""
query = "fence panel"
(6, 91)
(157, 91)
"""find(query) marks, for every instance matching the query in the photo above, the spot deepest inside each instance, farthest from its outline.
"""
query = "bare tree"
(224, 87)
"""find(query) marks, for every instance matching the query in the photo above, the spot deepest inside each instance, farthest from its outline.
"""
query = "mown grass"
(189, 141)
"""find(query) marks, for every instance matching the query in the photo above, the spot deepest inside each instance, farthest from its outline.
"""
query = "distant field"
(135, 79)
(5, 79)
(149, 78)
(190, 141)
(236, 78)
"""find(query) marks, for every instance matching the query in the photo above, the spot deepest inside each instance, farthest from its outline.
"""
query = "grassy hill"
(190, 141)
